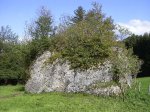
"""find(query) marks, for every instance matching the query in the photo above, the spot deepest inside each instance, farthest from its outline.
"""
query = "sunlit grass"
(72, 102)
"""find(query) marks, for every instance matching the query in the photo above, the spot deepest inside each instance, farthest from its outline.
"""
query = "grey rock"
(46, 77)
(112, 90)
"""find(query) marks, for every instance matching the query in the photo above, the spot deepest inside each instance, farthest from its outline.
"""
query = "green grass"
(9, 90)
(14, 99)
(144, 84)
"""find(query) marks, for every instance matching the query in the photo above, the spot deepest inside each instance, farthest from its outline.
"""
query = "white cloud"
(136, 26)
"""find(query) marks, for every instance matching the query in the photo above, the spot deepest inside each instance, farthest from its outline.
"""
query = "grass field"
(14, 99)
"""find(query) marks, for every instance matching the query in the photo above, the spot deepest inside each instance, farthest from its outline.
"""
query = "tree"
(11, 57)
(7, 35)
(12, 63)
(87, 43)
(79, 15)
(131, 41)
(101, 25)
(95, 13)
(122, 32)
(42, 26)
(39, 31)
(141, 48)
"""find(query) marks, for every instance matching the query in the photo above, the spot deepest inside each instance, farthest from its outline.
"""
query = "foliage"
(40, 32)
(42, 26)
(141, 48)
(35, 48)
(122, 32)
(12, 62)
(15, 58)
(7, 35)
(124, 64)
(87, 44)
(11, 56)
(79, 15)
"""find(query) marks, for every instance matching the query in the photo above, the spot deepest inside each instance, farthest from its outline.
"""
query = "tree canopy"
(11, 56)
(7, 35)
(141, 48)
(42, 26)
(79, 15)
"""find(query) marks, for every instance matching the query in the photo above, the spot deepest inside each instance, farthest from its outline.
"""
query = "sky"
(132, 14)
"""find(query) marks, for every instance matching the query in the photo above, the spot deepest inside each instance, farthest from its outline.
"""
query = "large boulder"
(46, 77)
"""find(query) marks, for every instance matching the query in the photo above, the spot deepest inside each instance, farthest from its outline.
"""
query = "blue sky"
(133, 14)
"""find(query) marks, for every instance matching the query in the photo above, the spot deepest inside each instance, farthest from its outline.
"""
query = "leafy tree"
(95, 13)
(141, 48)
(12, 63)
(101, 24)
(39, 31)
(87, 43)
(122, 32)
(42, 27)
(7, 35)
(131, 41)
(79, 15)
(11, 57)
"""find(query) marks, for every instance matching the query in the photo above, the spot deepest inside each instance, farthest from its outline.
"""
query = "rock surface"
(46, 77)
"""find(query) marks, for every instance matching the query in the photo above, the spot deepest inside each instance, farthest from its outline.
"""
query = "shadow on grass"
(21, 89)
